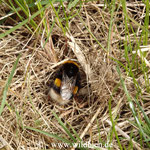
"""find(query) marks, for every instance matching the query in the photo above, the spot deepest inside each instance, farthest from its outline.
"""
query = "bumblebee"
(66, 83)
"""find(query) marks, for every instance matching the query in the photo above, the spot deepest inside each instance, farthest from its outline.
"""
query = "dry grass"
(27, 102)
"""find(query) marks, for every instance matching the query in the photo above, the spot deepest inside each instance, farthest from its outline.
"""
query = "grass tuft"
(111, 110)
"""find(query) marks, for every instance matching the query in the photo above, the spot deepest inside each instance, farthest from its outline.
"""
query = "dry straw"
(27, 102)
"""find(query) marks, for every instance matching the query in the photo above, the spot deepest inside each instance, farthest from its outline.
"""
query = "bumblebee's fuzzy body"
(66, 83)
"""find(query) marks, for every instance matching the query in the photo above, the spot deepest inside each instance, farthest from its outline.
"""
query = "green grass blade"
(72, 4)
(146, 23)
(8, 84)
(76, 134)
(52, 26)
(64, 127)
(49, 134)
(132, 107)
(16, 11)
(113, 125)
(42, 14)
(78, 137)
(111, 25)
(21, 23)
(145, 116)
(66, 17)
(128, 47)
(24, 7)
(99, 135)
(63, 29)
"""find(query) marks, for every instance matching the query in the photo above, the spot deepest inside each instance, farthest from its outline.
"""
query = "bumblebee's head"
(70, 68)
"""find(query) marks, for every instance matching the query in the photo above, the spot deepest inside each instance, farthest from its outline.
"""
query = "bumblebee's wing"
(67, 87)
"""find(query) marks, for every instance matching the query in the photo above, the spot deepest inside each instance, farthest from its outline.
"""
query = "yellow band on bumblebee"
(57, 82)
(75, 90)
(70, 61)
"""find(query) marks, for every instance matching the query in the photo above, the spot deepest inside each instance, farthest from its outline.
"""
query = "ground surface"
(88, 43)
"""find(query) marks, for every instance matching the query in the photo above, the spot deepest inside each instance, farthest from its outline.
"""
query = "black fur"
(71, 70)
